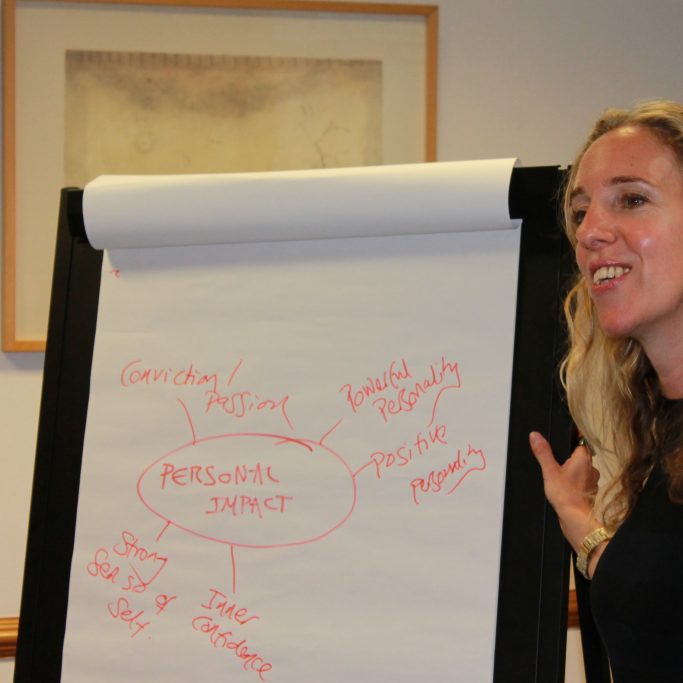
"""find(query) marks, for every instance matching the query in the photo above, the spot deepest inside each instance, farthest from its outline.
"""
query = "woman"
(623, 209)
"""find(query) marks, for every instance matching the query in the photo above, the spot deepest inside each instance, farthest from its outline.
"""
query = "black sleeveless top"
(637, 590)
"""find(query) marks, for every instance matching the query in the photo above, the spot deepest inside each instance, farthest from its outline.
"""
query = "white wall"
(526, 77)
(517, 78)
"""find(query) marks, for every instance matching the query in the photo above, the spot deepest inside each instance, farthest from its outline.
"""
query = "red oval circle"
(251, 489)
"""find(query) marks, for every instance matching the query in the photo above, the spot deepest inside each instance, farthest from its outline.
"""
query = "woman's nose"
(596, 229)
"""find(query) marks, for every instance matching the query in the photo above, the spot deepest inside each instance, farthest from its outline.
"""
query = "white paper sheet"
(294, 462)
(154, 211)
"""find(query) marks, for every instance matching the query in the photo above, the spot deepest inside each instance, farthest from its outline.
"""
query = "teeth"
(608, 273)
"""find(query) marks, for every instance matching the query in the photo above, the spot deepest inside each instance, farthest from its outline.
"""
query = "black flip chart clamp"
(532, 600)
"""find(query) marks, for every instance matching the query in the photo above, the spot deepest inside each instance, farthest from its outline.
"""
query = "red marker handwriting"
(219, 606)
(136, 372)
(162, 601)
(447, 479)
(407, 398)
(390, 379)
(239, 404)
(404, 454)
(235, 489)
(137, 574)
(130, 548)
(238, 506)
(223, 638)
(397, 390)
(210, 475)
(134, 618)
(226, 607)
(100, 566)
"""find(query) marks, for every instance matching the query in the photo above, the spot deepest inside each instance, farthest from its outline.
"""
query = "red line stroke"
(234, 568)
(436, 401)
(189, 419)
(469, 471)
(360, 469)
(234, 372)
(329, 431)
(163, 531)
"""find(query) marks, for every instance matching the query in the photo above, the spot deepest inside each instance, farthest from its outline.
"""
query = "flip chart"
(295, 449)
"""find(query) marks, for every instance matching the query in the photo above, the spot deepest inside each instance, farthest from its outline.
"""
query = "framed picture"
(166, 86)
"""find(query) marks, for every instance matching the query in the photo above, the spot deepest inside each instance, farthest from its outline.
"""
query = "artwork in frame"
(161, 86)
(150, 113)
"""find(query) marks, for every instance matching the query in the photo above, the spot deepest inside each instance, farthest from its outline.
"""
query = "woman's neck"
(666, 357)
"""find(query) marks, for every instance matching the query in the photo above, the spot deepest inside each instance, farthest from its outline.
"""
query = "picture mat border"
(17, 244)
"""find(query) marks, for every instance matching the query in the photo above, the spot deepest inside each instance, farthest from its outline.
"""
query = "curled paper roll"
(178, 210)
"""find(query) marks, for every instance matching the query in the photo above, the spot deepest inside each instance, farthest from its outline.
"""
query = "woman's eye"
(578, 216)
(633, 201)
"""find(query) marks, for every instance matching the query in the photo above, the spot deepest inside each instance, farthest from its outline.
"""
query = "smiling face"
(627, 208)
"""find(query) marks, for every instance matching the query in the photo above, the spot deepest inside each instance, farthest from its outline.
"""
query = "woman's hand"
(570, 488)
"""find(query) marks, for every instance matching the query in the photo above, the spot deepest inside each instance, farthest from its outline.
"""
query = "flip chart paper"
(146, 211)
(294, 461)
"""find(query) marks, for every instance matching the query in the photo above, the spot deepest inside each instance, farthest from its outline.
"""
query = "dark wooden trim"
(9, 626)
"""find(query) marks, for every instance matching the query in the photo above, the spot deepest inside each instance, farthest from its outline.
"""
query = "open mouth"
(607, 273)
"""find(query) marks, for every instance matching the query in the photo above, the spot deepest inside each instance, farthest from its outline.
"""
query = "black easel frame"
(532, 605)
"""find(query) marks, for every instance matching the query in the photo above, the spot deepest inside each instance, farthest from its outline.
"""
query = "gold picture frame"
(27, 250)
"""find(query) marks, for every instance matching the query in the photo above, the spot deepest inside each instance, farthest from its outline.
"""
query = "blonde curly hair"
(612, 389)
